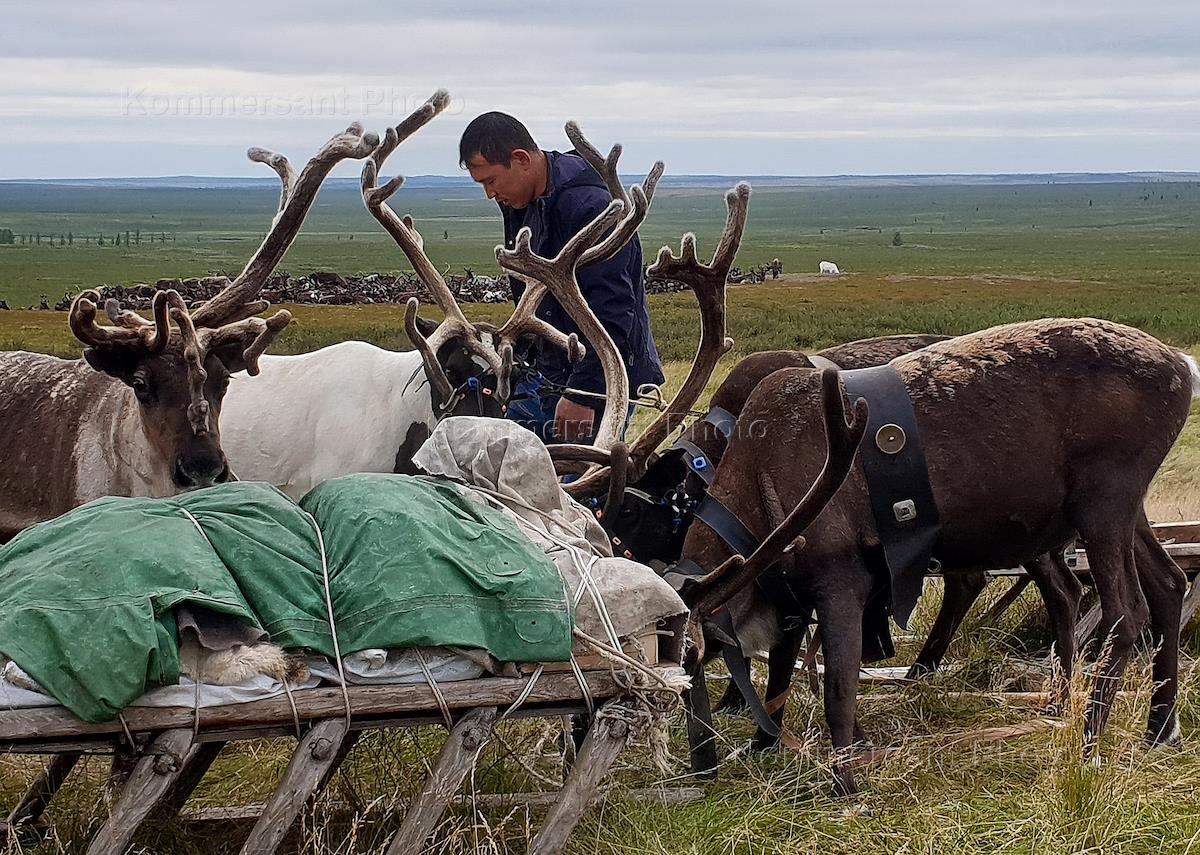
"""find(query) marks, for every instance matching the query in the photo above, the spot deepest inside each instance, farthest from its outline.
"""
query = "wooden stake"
(457, 756)
(311, 761)
(37, 798)
(608, 737)
(153, 774)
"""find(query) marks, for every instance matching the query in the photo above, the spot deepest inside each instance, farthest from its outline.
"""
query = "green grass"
(1130, 235)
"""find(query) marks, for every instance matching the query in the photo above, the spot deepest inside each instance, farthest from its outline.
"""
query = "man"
(556, 195)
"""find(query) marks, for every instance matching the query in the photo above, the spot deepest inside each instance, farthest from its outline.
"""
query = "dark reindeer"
(139, 414)
(1100, 405)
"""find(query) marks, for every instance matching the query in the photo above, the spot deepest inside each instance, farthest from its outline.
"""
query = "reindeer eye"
(141, 388)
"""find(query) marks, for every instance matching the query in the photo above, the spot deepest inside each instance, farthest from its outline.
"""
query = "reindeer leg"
(961, 590)
(1124, 610)
(702, 736)
(1061, 591)
(1163, 584)
(840, 615)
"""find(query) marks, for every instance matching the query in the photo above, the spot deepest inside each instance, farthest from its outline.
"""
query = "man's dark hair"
(495, 136)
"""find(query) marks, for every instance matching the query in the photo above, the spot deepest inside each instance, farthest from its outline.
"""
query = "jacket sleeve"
(609, 289)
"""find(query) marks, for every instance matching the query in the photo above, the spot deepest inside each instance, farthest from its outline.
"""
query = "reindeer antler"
(406, 236)
(707, 282)
(843, 436)
(558, 276)
(523, 320)
(152, 337)
(295, 200)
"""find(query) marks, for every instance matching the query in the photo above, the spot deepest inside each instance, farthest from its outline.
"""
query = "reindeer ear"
(425, 326)
(118, 363)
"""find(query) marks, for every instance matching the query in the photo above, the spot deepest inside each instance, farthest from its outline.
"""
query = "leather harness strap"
(902, 503)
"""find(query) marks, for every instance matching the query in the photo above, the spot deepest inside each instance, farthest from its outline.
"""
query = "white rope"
(521, 698)
(287, 690)
(337, 649)
(125, 727)
(583, 685)
(619, 656)
(437, 692)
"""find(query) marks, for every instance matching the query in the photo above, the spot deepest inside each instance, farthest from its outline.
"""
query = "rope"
(525, 693)
(287, 690)
(125, 727)
(437, 692)
(619, 656)
(583, 685)
(337, 649)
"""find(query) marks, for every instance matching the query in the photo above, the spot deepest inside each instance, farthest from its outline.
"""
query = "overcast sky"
(738, 88)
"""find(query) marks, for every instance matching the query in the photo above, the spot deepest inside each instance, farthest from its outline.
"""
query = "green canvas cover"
(86, 599)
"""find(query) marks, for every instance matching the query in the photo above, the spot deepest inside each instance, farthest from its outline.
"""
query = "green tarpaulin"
(86, 600)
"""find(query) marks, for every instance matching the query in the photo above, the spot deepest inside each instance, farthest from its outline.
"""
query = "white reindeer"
(354, 407)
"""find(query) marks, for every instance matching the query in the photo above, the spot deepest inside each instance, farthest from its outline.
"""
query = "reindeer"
(657, 510)
(1099, 406)
(139, 414)
(354, 407)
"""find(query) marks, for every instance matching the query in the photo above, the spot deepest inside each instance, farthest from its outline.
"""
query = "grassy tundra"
(952, 783)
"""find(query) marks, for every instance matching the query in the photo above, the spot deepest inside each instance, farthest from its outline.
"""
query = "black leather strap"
(698, 461)
(727, 526)
(723, 420)
(894, 480)
(735, 661)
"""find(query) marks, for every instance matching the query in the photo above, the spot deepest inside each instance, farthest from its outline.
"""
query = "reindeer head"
(178, 364)
(178, 374)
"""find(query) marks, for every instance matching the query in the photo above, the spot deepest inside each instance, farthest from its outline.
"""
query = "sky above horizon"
(133, 88)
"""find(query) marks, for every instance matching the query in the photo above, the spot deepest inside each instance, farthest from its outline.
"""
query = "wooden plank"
(312, 759)
(607, 738)
(37, 798)
(1180, 532)
(152, 776)
(1191, 602)
(1086, 627)
(491, 801)
(1006, 600)
(456, 758)
(48, 723)
(197, 764)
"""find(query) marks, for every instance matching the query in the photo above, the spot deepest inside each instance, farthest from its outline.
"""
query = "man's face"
(513, 185)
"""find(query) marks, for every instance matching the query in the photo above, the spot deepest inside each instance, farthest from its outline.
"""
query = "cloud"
(708, 87)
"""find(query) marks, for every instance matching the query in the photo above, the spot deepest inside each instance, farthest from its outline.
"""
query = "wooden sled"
(172, 752)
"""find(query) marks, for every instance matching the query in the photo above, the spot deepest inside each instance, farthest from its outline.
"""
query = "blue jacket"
(614, 289)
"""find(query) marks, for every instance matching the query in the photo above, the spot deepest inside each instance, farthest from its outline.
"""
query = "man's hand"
(572, 421)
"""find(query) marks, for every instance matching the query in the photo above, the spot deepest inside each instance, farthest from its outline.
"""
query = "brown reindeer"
(1099, 406)
(138, 415)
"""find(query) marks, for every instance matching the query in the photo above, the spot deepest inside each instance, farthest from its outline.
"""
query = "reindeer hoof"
(1165, 735)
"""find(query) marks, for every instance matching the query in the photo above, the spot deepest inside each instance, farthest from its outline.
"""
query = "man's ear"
(521, 156)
